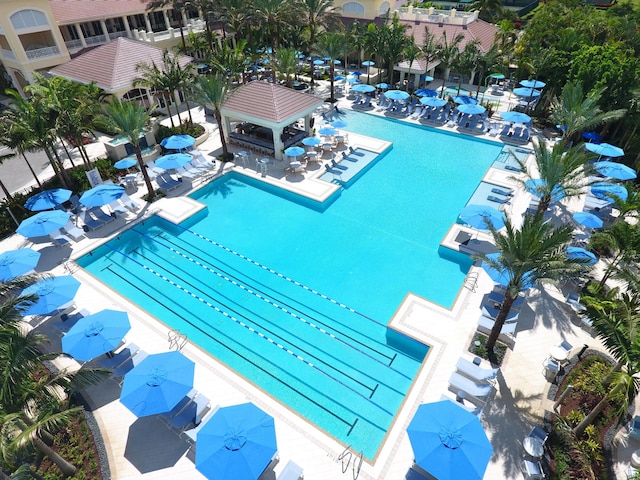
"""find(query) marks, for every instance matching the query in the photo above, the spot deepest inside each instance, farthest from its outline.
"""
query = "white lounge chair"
(459, 382)
(291, 471)
(485, 325)
(634, 428)
(492, 312)
(477, 411)
(60, 239)
(117, 208)
(532, 470)
(475, 372)
(129, 203)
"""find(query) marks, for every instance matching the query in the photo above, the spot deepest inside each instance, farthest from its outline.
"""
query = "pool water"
(296, 299)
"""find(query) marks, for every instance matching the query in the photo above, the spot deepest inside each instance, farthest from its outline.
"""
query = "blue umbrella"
(427, 78)
(533, 83)
(516, 117)
(426, 92)
(237, 443)
(433, 101)
(101, 195)
(157, 384)
(53, 293)
(497, 76)
(615, 170)
(355, 74)
(526, 92)
(43, 223)
(48, 199)
(311, 141)
(368, 63)
(585, 256)
(294, 151)
(338, 124)
(396, 95)
(318, 62)
(14, 263)
(481, 216)
(449, 442)
(173, 160)
(96, 334)
(327, 131)
(351, 79)
(471, 109)
(337, 78)
(465, 100)
(604, 149)
(588, 220)
(592, 136)
(125, 163)
(178, 142)
(363, 88)
(536, 186)
(501, 276)
(382, 85)
(337, 62)
(607, 191)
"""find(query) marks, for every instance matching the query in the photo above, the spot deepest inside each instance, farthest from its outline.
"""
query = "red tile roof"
(479, 30)
(112, 66)
(273, 103)
(68, 11)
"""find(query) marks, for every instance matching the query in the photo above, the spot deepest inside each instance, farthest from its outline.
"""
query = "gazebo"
(267, 116)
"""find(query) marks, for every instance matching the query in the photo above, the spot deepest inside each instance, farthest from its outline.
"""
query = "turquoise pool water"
(296, 299)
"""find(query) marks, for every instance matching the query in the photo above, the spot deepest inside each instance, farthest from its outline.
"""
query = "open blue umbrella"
(605, 149)
(178, 142)
(338, 124)
(433, 101)
(356, 74)
(497, 76)
(588, 220)
(173, 161)
(101, 195)
(615, 170)
(481, 216)
(318, 62)
(382, 85)
(53, 293)
(14, 263)
(368, 63)
(396, 95)
(426, 92)
(449, 442)
(363, 88)
(48, 199)
(533, 83)
(157, 384)
(43, 223)
(237, 443)
(585, 256)
(337, 78)
(465, 100)
(294, 151)
(351, 79)
(516, 117)
(427, 78)
(607, 191)
(96, 334)
(500, 275)
(125, 163)
(471, 109)
(327, 131)
(536, 187)
(311, 141)
(526, 92)
(592, 136)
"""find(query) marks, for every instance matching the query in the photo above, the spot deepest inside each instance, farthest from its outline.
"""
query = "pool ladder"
(177, 340)
(471, 282)
(346, 456)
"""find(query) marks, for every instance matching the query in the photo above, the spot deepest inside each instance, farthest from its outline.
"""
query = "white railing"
(73, 44)
(97, 40)
(115, 35)
(8, 54)
(433, 15)
(42, 52)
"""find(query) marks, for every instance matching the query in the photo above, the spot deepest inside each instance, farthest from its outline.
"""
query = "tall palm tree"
(211, 91)
(467, 61)
(317, 16)
(286, 61)
(534, 253)
(131, 120)
(180, 77)
(332, 46)
(411, 53)
(563, 173)
(624, 241)
(488, 10)
(393, 41)
(20, 143)
(447, 52)
(158, 79)
(231, 60)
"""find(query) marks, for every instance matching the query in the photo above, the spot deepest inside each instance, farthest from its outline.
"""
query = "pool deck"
(147, 449)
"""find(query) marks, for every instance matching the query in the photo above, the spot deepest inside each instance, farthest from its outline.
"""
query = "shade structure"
(53, 293)
(351, 79)
(426, 92)
(588, 220)
(14, 263)
(615, 170)
(427, 78)
(498, 76)
(396, 95)
(338, 124)
(363, 88)
(48, 199)
(481, 216)
(327, 131)
(125, 163)
(609, 191)
(383, 85)
(318, 62)
(592, 136)
(157, 384)
(173, 160)
(536, 186)
(311, 141)
(500, 275)
(471, 109)
(433, 101)
(526, 92)
(178, 142)
(465, 100)
(238, 442)
(96, 334)
(43, 223)
(449, 442)
(605, 149)
(294, 151)
(338, 78)
(585, 256)
(533, 83)
(101, 195)
(516, 117)
(368, 63)
(356, 73)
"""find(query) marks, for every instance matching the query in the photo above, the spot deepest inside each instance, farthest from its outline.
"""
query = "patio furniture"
(476, 372)
(166, 183)
(538, 433)
(485, 324)
(634, 428)
(129, 203)
(118, 208)
(291, 471)
(550, 368)
(532, 470)
(491, 311)
(98, 213)
(458, 383)
(89, 222)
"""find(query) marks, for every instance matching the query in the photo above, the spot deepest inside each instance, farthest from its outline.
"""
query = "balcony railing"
(97, 40)
(73, 44)
(42, 52)
(114, 35)
(8, 54)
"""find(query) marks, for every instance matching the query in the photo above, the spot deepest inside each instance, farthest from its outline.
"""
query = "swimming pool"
(295, 299)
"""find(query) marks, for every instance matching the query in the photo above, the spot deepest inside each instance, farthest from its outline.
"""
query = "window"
(384, 8)
(353, 7)
(28, 19)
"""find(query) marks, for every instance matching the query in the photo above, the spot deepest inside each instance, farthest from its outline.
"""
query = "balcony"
(42, 52)
(8, 54)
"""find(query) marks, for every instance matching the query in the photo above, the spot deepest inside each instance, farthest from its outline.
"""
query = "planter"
(202, 137)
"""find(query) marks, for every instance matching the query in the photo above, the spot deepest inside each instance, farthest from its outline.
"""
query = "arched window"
(28, 19)
(384, 8)
(353, 7)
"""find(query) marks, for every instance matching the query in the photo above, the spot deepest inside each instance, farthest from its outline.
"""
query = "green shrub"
(186, 128)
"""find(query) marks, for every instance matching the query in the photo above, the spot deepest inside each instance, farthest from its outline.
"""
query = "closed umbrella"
(363, 88)
(125, 163)
(615, 170)
(178, 142)
(52, 294)
(237, 443)
(48, 199)
(533, 83)
(465, 100)
(311, 141)
(157, 384)
(396, 95)
(14, 263)
(173, 161)
(588, 220)
(516, 117)
(584, 256)
(608, 191)
(605, 149)
(101, 195)
(592, 136)
(96, 334)
(426, 92)
(472, 109)
(43, 223)
(433, 101)
(482, 216)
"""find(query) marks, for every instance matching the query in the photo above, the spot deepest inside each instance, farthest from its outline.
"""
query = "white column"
(81, 35)
(125, 20)
(277, 143)
(185, 20)
(105, 31)
(147, 22)
(166, 19)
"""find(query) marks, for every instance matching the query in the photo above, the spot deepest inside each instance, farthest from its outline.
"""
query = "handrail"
(345, 454)
(356, 472)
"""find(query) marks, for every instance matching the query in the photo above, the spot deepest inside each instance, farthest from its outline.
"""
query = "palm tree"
(211, 91)
(411, 53)
(393, 42)
(534, 253)
(19, 143)
(181, 78)
(488, 10)
(447, 53)
(158, 79)
(467, 61)
(131, 120)
(231, 60)
(562, 173)
(317, 15)
(623, 239)
(286, 61)
(332, 46)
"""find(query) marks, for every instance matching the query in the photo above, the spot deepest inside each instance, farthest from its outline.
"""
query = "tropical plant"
(447, 52)
(211, 91)
(318, 16)
(394, 41)
(488, 10)
(332, 46)
(624, 240)
(20, 142)
(411, 53)
(286, 61)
